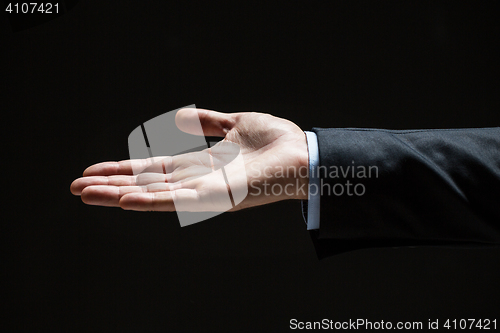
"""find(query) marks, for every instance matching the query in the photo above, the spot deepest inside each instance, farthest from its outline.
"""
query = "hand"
(274, 152)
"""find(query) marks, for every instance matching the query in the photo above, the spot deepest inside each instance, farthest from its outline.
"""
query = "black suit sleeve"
(421, 187)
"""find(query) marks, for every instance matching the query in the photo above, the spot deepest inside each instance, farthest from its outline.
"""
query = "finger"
(185, 166)
(212, 123)
(79, 184)
(157, 201)
(149, 178)
(128, 167)
(108, 196)
(145, 179)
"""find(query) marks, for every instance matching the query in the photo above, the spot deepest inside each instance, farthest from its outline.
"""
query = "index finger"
(160, 164)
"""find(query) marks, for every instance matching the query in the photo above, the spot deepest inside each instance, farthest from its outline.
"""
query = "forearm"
(432, 187)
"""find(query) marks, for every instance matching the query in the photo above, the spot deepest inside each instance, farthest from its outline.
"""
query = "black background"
(74, 87)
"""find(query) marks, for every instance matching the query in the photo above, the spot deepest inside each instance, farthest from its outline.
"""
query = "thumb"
(204, 122)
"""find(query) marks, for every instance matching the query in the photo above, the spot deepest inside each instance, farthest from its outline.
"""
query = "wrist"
(303, 160)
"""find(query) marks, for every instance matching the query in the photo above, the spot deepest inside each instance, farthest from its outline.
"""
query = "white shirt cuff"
(313, 204)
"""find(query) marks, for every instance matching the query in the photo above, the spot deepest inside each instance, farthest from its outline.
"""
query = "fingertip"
(87, 172)
(86, 196)
(130, 202)
(101, 169)
(74, 189)
(100, 195)
(147, 202)
(186, 112)
(187, 120)
(123, 203)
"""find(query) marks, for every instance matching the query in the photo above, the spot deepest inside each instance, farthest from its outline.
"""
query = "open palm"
(263, 144)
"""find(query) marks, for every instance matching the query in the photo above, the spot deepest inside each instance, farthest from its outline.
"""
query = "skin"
(267, 144)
